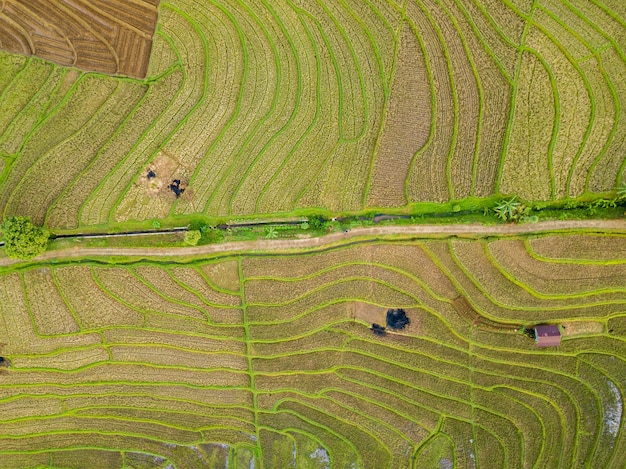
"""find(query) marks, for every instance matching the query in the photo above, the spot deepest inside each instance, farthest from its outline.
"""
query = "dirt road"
(469, 230)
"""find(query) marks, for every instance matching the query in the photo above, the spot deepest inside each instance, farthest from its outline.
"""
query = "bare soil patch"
(369, 313)
(109, 36)
(159, 174)
(154, 193)
(582, 328)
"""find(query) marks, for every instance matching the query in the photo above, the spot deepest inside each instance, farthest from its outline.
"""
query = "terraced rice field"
(104, 36)
(268, 361)
(265, 107)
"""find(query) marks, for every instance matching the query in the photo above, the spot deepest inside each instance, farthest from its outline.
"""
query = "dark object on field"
(530, 332)
(397, 319)
(4, 362)
(151, 174)
(175, 187)
(377, 329)
(547, 336)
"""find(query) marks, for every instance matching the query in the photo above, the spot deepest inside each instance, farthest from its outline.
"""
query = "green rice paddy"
(269, 360)
(275, 110)
(270, 107)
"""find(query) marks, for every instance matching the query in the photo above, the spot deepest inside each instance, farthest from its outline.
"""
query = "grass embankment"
(307, 223)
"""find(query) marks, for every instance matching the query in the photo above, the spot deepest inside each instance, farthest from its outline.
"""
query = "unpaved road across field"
(426, 231)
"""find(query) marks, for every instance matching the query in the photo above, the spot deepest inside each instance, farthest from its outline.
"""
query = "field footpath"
(473, 230)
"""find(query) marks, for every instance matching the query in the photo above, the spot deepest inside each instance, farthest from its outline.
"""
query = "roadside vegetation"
(203, 230)
(22, 239)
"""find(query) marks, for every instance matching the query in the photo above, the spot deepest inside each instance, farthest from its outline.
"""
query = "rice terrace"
(312, 234)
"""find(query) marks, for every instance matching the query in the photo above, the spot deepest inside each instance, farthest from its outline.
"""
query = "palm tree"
(270, 232)
(621, 191)
(507, 209)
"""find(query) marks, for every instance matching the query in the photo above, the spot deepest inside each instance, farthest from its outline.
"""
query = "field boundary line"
(198, 103)
(45, 86)
(105, 146)
(104, 108)
(249, 356)
(198, 294)
(292, 116)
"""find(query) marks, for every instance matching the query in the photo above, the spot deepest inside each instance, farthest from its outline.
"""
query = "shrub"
(530, 332)
(212, 235)
(192, 237)
(317, 222)
(529, 219)
(511, 210)
(23, 240)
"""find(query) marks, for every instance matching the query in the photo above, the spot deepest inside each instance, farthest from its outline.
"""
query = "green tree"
(192, 237)
(22, 239)
(317, 222)
(271, 233)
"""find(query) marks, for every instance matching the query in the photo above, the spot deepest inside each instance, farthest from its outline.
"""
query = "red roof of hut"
(547, 336)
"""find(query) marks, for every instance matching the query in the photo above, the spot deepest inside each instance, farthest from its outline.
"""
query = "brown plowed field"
(110, 36)
(407, 127)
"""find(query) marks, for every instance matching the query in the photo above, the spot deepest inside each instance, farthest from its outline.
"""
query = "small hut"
(547, 336)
